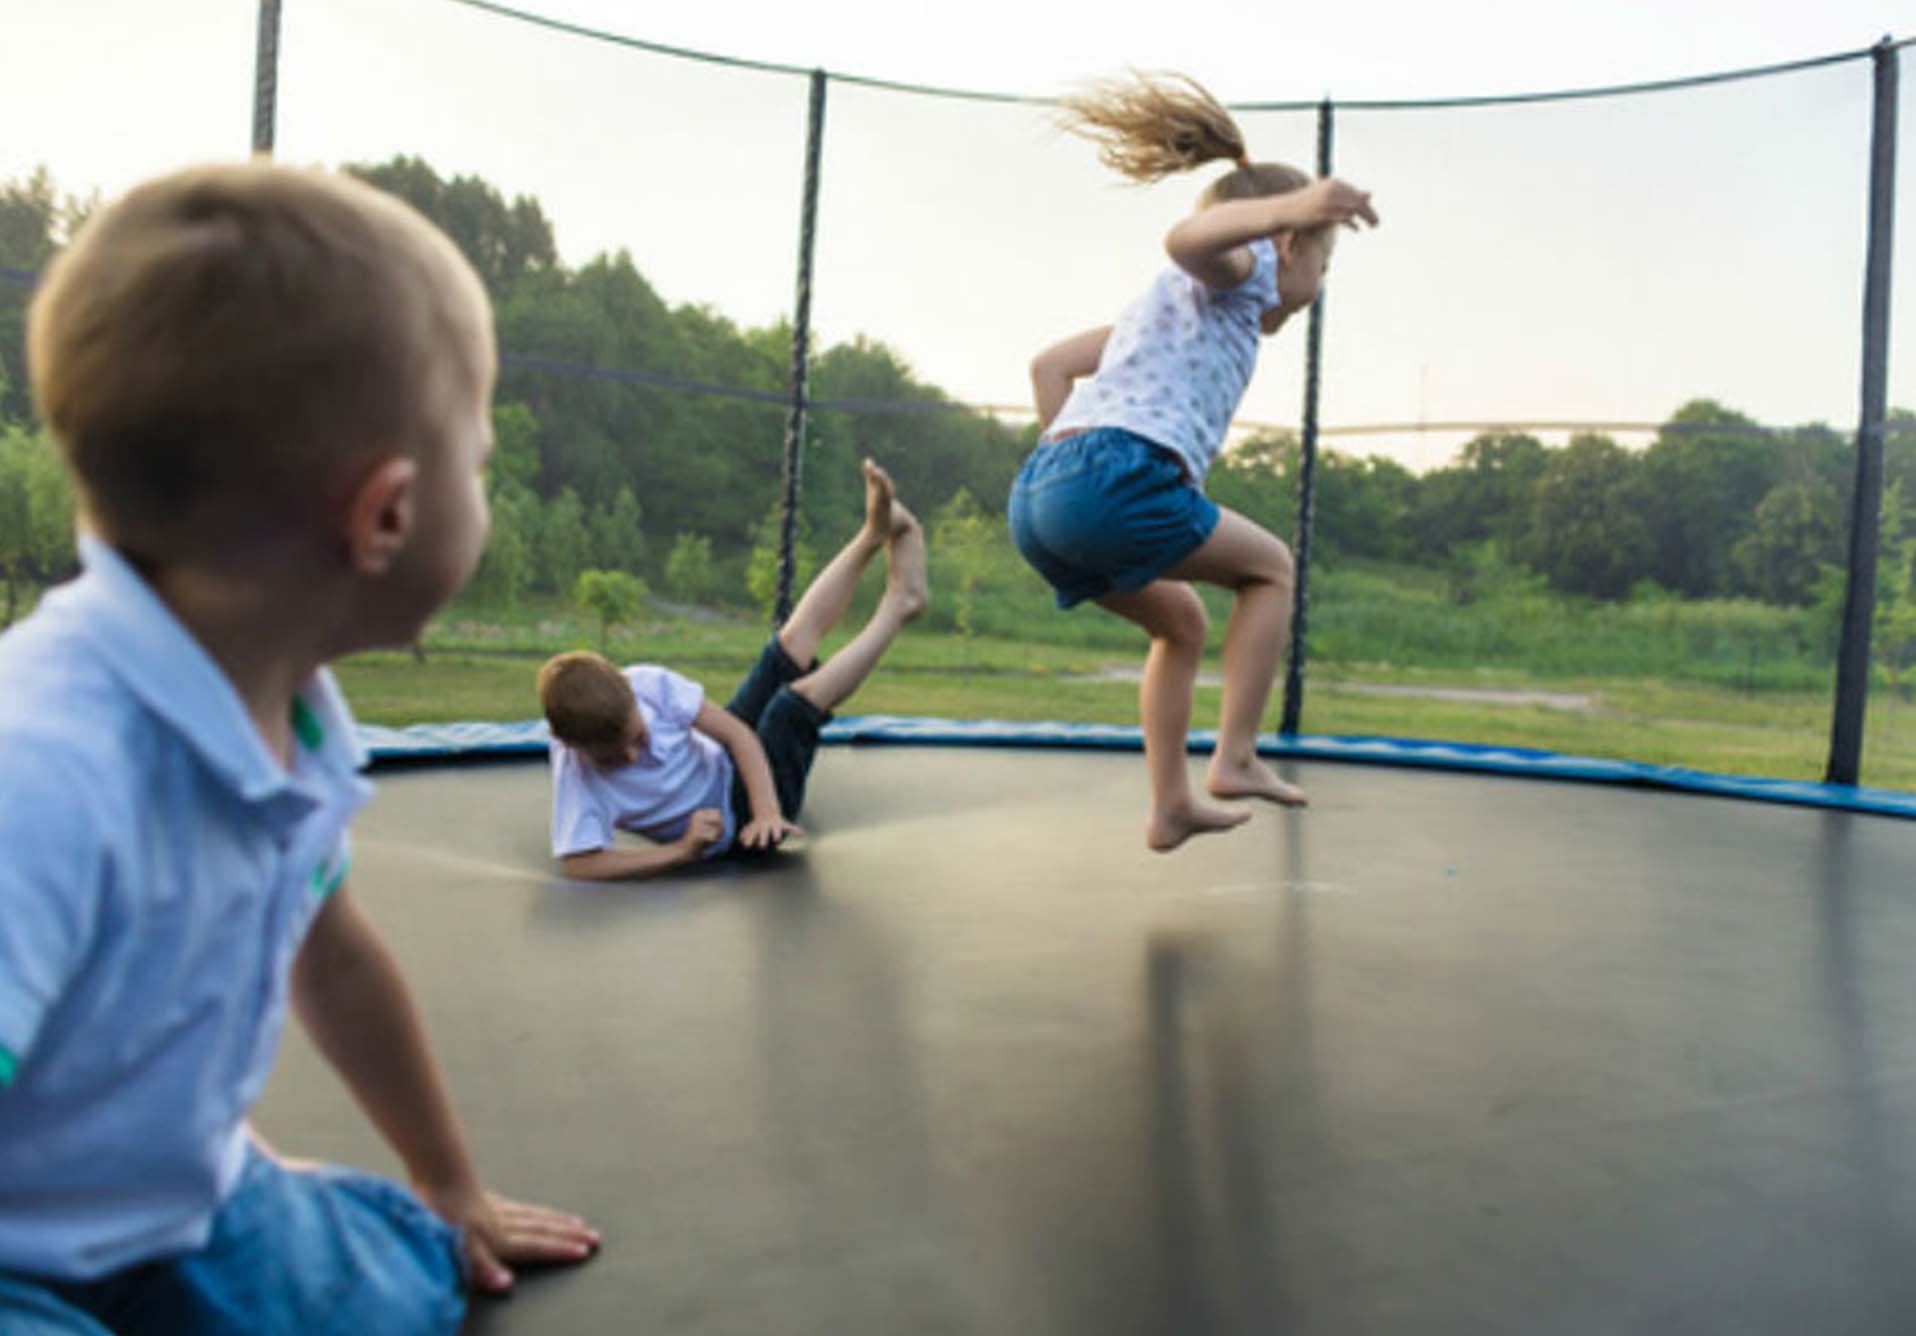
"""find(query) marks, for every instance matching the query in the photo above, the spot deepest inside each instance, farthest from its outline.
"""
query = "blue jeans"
(330, 1252)
(1105, 512)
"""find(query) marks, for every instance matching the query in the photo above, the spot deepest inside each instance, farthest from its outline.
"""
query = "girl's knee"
(1274, 567)
(1185, 625)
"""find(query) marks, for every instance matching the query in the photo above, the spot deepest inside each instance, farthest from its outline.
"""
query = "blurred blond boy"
(272, 389)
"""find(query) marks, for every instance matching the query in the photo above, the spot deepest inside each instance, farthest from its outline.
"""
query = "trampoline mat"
(1439, 1054)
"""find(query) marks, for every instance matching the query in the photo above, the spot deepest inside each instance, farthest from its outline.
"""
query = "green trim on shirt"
(306, 725)
(8, 1066)
(321, 886)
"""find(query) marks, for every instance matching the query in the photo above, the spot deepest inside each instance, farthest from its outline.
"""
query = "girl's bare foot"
(1251, 779)
(1169, 828)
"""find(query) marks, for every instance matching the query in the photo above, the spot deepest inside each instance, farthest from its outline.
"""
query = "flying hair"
(1153, 125)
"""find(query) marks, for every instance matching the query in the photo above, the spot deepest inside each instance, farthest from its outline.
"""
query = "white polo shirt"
(1177, 363)
(679, 771)
(158, 871)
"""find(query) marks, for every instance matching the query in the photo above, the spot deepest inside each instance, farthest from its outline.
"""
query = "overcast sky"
(1600, 260)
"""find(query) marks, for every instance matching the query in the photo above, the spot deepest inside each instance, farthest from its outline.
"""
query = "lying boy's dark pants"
(787, 726)
(322, 1252)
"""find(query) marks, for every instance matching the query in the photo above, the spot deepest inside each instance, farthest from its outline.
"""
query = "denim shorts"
(323, 1252)
(787, 726)
(1105, 512)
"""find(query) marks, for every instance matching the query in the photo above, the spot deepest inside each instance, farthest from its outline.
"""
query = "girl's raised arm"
(1211, 245)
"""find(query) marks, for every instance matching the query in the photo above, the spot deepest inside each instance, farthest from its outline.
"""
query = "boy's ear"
(379, 515)
(1286, 244)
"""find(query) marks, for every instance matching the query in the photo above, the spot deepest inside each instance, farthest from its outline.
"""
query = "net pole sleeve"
(266, 79)
(801, 350)
(1859, 601)
(1307, 466)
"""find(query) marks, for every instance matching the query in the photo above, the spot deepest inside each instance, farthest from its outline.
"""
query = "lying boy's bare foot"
(1253, 779)
(902, 520)
(1167, 829)
(881, 499)
(906, 584)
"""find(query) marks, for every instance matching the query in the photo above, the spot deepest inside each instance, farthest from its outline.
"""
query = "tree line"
(594, 471)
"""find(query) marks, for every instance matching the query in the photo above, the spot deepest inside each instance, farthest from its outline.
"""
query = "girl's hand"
(1333, 201)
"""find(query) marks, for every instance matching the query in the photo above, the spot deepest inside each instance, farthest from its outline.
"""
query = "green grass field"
(1724, 687)
(480, 669)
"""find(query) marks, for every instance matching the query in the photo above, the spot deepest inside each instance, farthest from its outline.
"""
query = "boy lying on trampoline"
(643, 750)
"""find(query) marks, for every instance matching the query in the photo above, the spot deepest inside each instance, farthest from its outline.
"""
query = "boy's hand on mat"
(702, 831)
(766, 832)
(499, 1233)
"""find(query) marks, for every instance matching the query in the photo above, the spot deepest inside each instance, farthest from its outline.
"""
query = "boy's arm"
(1210, 244)
(54, 866)
(353, 1001)
(768, 825)
(703, 830)
(1054, 369)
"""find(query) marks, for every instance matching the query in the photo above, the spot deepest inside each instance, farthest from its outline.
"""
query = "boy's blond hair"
(222, 352)
(586, 699)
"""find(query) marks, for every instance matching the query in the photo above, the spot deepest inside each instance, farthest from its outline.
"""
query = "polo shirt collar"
(174, 676)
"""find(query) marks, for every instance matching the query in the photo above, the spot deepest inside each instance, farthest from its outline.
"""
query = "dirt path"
(1572, 701)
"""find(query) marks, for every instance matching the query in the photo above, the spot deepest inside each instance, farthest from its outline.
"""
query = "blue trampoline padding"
(474, 741)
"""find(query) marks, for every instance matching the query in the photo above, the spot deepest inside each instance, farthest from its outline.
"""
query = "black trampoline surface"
(1441, 1054)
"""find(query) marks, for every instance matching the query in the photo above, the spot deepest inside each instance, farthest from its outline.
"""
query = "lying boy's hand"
(702, 831)
(499, 1233)
(766, 832)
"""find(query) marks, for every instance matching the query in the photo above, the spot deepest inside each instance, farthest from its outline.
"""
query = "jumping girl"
(1110, 505)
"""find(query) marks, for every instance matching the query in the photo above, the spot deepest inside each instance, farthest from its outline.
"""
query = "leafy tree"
(1486, 494)
(515, 446)
(618, 543)
(1588, 533)
(1703, 479)
(1798, 528)
(761, 568)
(507, 566)
(1363, 505)
(966, 540)
(565, 548)
(1258, 479)
(36, 516)
(688, 570)
(1893, 628)
(35, 222)
(1484, 573)
(613, 597)
(504, 242)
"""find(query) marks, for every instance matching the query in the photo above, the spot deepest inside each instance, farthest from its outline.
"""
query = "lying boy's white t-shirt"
(679, 771)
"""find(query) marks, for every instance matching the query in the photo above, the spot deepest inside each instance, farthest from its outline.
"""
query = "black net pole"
(266, 79)
(801, 351)
(1859, 602)
(1307, 467)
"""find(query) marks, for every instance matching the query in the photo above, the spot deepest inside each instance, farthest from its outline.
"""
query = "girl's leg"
(906, 594)
(1171, 613)
(1256, 567)
(830, 592)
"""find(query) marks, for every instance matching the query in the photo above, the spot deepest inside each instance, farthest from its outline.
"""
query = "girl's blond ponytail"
(1150, 126)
